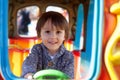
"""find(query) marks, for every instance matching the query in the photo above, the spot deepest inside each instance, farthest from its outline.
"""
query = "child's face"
(51, 37)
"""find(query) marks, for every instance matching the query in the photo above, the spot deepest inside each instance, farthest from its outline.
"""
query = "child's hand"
(29, 76)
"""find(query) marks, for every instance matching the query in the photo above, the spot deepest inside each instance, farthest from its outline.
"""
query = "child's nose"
(53, 35)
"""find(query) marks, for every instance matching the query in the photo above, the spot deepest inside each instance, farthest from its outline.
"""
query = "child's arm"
(29, 66)
(69, 67)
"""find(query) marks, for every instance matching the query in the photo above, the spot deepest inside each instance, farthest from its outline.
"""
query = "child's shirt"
(40, 59)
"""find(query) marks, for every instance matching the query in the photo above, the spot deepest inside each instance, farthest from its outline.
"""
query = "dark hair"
(57, 19)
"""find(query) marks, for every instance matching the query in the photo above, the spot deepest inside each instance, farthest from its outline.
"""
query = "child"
(53, 29)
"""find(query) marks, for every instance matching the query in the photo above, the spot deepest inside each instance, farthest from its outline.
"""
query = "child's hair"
(57, 19)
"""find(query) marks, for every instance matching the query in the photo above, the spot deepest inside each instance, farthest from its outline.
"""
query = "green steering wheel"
(50, 74)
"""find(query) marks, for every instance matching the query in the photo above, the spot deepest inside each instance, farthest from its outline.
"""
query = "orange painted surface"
(1, 78)
(77, 68)
(109, 26)
(18, 51)
(16, 58)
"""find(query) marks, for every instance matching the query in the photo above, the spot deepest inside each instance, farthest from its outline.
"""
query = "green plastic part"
(50, 74)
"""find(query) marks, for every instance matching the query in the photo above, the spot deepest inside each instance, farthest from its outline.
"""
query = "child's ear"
(40, 37)
(64, 37)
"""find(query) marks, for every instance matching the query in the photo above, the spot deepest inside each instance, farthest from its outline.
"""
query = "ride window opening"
(27, 18)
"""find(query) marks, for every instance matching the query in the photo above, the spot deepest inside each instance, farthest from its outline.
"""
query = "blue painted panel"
(4, 60)
(90, 58)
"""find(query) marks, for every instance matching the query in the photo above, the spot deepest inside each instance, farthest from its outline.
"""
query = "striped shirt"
(39, 59)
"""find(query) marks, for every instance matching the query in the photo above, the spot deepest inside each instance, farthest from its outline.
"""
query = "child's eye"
(58, 32)
(47, 31)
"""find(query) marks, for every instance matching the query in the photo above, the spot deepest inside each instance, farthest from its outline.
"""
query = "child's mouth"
(53, 43)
